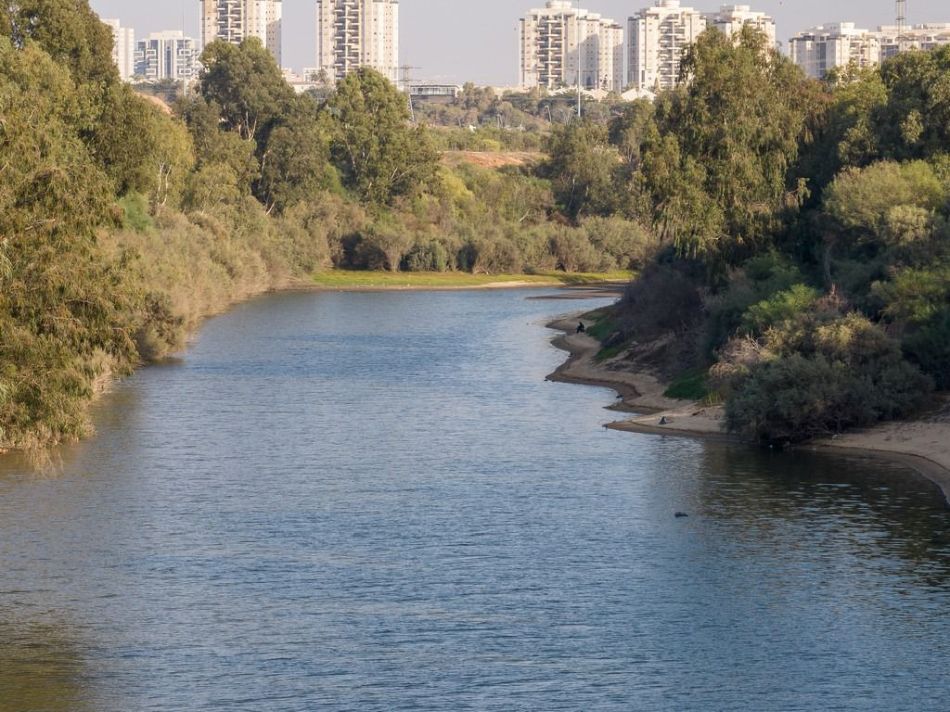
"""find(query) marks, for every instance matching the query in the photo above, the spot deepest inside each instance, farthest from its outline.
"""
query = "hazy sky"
(477, 40)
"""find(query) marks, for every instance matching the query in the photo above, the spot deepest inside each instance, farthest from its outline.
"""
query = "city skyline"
(487, 51)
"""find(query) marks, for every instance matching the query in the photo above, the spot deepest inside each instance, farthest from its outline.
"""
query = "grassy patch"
(351, 279)
(690, 385)
(603, 329)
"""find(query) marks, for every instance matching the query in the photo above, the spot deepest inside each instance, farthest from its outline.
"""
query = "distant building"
(916, 37)
(265, 20)
(434, 93)
(657, 38)
(731, 19)
(358, 33)
(123, 48)
(235, 20)
(562, 46)
(167, 55)
(821, 49)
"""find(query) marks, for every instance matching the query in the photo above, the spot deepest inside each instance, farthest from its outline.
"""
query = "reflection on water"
(41, 669)
(376, 502)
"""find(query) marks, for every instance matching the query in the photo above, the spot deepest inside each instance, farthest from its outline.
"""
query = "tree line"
(802, 233)
(124, 222)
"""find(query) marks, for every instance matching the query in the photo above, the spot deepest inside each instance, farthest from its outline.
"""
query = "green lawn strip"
(690, 385)
(352, 279)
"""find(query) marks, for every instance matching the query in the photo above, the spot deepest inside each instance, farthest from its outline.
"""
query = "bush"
(628, 244)
(495, 255)
(135, 215)
(887, 202)
(779, 308)
(664, 298)
(431, 256)
(819, 376)
(915, 295)
(757, 280)
(574, 253)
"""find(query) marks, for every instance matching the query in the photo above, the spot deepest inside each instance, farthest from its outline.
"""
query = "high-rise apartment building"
(358, 33)
(731, 19)
(819, 50)
(167, 55)
(657, 37)
(264, 19)
(235, 20)
(123, 48)
(562, 46)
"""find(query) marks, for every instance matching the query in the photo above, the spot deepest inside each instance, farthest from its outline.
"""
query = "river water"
(376, 502)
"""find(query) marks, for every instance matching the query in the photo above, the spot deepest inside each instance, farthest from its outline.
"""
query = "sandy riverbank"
(922, 444)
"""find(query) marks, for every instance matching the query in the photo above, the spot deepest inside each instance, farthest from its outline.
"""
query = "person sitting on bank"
(581, 329)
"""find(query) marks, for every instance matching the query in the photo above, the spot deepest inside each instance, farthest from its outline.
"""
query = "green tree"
(841, 130)
(380, 156)
(69, 31)
(885, 202)
(246, 84)
(630, 130)
(220, 153)
(296, 161)
(737, 119)
(915, 120)
(583, 168)
(143, 150)
(66, 309)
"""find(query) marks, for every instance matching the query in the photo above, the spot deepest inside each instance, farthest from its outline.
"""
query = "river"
(377, 502)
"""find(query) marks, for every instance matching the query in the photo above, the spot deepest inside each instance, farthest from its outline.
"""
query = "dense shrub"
(929, 347)
(781, 307)
(888, 203)
(819, 375)
(627, 244)
(665, 298)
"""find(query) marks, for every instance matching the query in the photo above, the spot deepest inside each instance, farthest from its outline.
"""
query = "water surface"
(376, 502)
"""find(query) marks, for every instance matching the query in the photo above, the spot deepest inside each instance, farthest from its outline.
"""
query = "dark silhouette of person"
(581, 329)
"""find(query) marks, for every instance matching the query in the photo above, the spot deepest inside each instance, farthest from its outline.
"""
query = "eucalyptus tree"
(718, 165)
(380, 155)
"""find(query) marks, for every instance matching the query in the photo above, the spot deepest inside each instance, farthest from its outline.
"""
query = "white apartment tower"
(167, 55)
(561, 44)
(819, 50)
(235, 20)
(732, 18)
(657, 37)
(123, 48)
(358, 33)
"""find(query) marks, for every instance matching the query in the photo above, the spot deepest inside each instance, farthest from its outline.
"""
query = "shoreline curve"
(641, 394)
